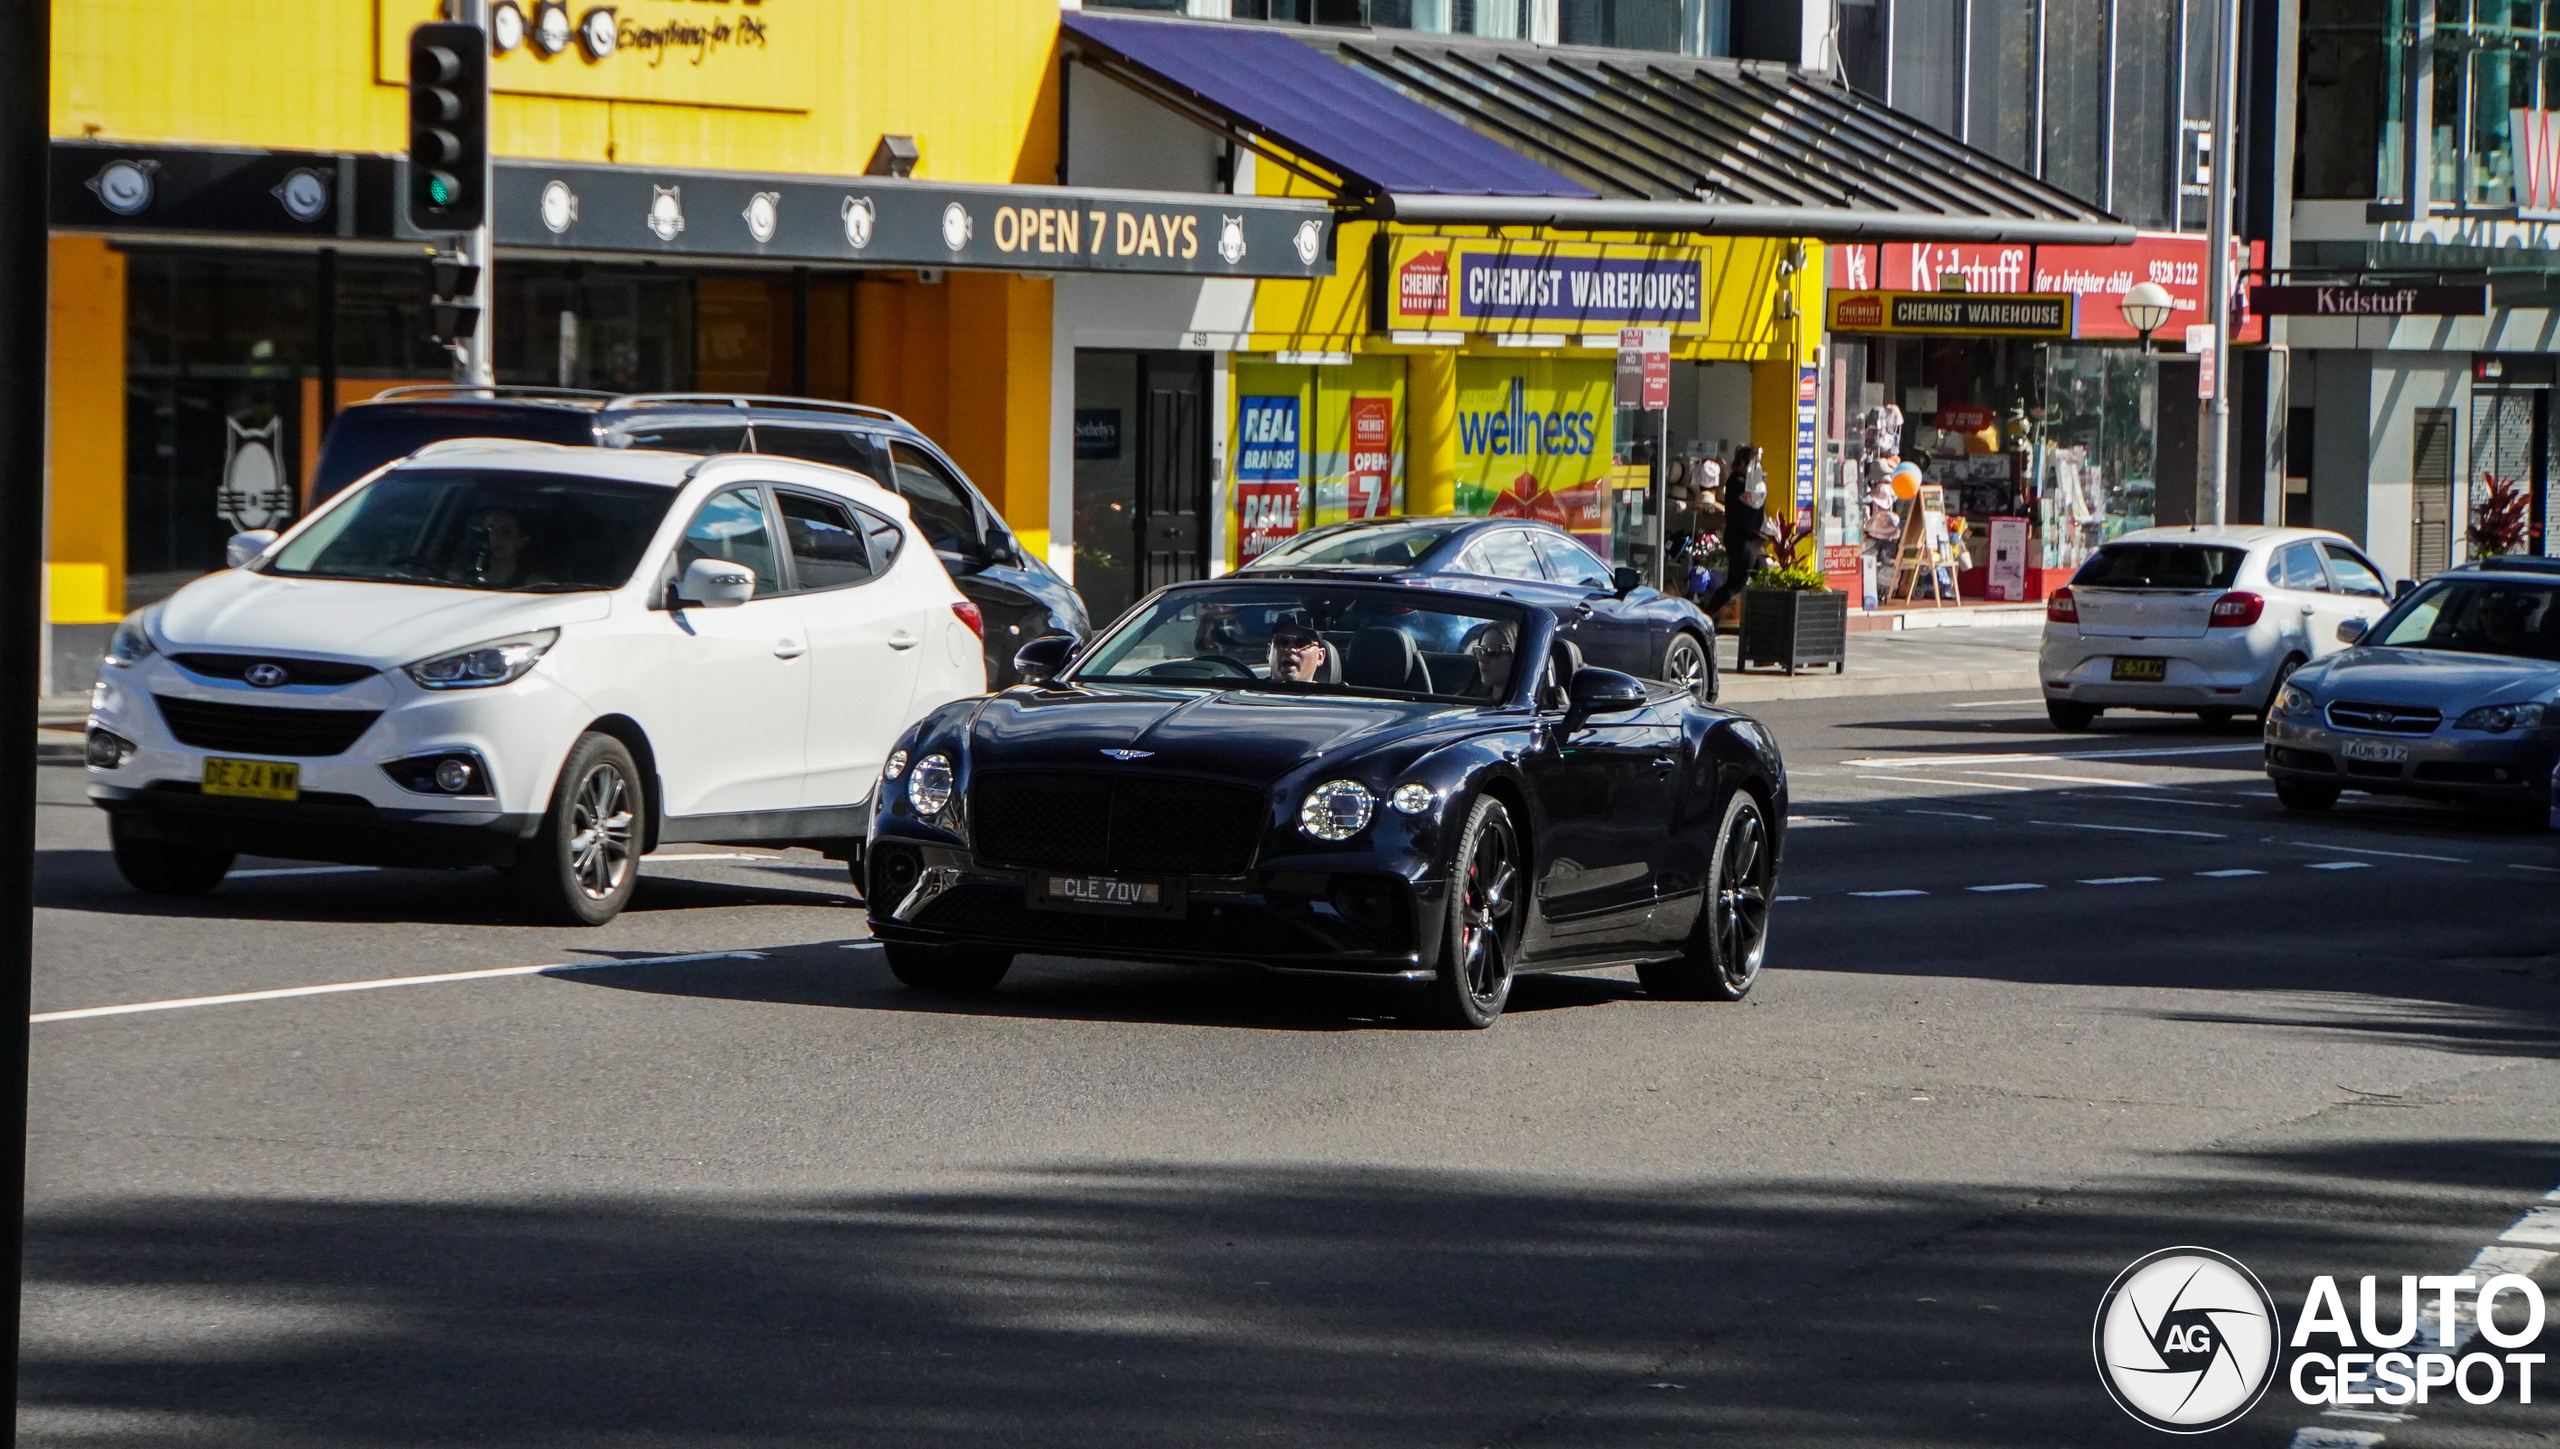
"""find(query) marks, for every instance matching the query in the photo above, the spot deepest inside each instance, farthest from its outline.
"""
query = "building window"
(1927, 60)
(1302, 12)
(2348, 128)
(2142, 184)
(2496, 65)
(1494, 19)
(2000, 86)
(2075, 75)
(1682, 27)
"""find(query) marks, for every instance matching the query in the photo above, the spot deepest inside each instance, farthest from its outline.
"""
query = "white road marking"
(1895, 762)
(1782, 900)
(2124, 880)
(304, 870)
(2491, 1261)
(1950, 814)
(2165, 800)
(2340, 865)
(1885, 895)
(491, 973)
(1953, 784)
(2539, 1227)
(2545, 869)
(2393, 854)
(2227, 874)
(2011, 886)
(2069, 779)
(2131, 829)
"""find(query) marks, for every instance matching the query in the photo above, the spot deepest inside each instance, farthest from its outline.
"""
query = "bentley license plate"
(2139, 670)
(1110, 894)
(253, 779)
(2381, 750)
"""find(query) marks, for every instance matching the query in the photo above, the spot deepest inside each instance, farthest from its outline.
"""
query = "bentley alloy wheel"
(1724, 952)
(580, 867)
(1684, 663)
(1484, 922)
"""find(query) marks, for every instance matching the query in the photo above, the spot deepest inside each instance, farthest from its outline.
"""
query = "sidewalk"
(1939, 660)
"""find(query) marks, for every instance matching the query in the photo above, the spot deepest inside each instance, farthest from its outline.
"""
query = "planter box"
(1796, 628)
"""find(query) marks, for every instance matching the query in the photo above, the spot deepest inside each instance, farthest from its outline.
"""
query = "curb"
(1757, 688)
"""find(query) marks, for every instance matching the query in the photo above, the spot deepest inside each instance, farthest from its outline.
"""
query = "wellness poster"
(1534, 441)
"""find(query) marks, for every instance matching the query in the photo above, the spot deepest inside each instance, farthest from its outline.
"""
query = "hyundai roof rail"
(754, 399)
(469, 389)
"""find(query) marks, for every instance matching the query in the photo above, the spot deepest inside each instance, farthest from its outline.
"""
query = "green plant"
(1798, 574)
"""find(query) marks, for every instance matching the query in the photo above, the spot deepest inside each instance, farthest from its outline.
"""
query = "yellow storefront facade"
(205, 335)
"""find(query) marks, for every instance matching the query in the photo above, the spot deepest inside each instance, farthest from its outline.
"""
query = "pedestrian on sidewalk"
(1746, 498)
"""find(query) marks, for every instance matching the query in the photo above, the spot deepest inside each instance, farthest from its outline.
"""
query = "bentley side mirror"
(245, 547)
(1625, 580)
(1039, 661)
(2351, 631)
(716, 583)
(2400, 590)
(1603, 691)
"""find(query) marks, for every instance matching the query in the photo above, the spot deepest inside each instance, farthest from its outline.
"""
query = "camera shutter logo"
(2186, 1340)
(860, 216)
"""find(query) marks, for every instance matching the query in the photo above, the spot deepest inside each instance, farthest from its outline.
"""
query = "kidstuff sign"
(2098, 276)
(1432, 283)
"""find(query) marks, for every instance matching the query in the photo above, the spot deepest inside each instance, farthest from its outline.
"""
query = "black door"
(1173, 468)
(1606, 787)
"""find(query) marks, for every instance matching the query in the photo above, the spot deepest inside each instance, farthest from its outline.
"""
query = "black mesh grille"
(258, 729)
(297, 671)
(1129, 822)
(2389, 719)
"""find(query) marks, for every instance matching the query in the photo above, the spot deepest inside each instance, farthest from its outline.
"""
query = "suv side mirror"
(2400, 590)
(2351, 631)
(1603, 691)
(245, 547)
(1002, 550)
(1625, 580)
(1039, 661)
(716, 583)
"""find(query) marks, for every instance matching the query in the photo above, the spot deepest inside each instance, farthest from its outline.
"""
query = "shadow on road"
(1186, 1305)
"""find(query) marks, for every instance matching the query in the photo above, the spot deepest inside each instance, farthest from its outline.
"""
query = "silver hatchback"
(2454, 695)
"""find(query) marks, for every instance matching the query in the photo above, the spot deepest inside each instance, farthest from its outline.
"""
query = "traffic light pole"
(475, 360)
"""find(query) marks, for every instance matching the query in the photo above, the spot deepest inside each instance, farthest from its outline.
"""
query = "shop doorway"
(1141, 474)
(2511, 442)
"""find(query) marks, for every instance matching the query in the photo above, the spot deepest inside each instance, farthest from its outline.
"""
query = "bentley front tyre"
(1482, 930)
(582, 863)
(1724, 951)
(953, 969)
(161, 868)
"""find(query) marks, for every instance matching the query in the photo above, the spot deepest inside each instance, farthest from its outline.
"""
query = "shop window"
(575, 326)
(2095, 450)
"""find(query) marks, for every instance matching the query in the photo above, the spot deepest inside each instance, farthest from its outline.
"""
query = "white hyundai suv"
(545, 659)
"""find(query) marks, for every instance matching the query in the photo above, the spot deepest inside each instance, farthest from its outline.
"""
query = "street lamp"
(2145, 307)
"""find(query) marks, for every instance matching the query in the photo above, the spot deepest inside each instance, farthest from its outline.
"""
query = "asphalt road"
(2045, 1004)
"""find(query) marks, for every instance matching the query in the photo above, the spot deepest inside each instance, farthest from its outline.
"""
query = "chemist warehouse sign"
(1436, 284)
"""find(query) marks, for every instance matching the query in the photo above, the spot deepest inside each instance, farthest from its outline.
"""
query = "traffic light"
(453, 315)
(448, 127)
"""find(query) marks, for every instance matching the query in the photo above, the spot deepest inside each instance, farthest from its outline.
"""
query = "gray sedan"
(2453, 695)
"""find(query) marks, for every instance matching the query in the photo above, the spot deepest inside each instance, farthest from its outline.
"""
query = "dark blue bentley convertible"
(1382, 780)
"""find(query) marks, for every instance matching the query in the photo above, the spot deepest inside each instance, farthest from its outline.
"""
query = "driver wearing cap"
(1297, 655)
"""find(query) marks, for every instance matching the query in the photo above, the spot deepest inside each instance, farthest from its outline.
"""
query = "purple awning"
(1287, 92)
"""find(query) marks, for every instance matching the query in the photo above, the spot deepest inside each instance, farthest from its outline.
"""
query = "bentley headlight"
(484, 666)
(132, 643)
(929, 785)
(1411, 798)
(2499, 718)
(1337, 810)
(2294, 700)
(897, 764)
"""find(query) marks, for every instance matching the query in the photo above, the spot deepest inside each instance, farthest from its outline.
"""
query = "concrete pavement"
(1997, 654)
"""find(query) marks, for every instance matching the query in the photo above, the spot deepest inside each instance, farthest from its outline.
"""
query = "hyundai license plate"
(2380, 750)
(1106, 894)
(253, 779)
(2139, 670)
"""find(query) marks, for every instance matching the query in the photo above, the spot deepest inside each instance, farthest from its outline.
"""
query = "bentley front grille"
(1101, 821)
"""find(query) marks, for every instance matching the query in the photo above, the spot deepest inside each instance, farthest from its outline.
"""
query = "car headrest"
(1384, 658)
(1564, 661)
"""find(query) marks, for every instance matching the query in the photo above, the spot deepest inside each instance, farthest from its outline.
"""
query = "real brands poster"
(1534, 440)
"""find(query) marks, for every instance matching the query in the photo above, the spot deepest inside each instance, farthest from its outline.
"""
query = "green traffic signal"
(440, 191)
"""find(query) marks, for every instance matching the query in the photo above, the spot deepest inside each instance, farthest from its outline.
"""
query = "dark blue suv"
(1019, 596)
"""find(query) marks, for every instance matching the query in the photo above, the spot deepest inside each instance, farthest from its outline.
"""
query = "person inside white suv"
(542, 658)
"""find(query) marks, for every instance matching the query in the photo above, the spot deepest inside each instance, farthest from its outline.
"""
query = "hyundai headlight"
(929, 785)
(2294, 700)
(1337, 810)
(2499, 718)
(133, 643)
(483, 666)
